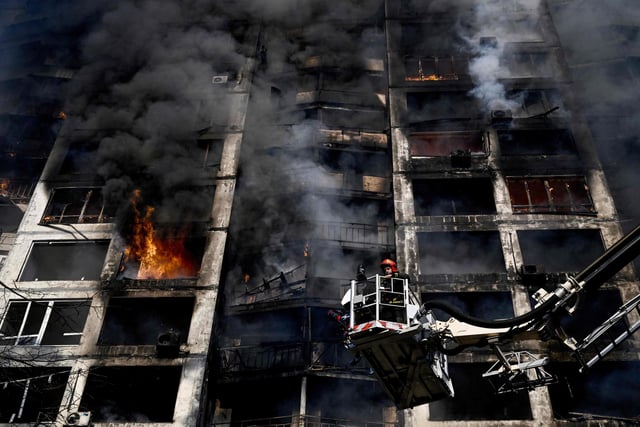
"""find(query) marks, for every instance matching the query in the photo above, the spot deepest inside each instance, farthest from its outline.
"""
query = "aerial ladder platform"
(407, 347)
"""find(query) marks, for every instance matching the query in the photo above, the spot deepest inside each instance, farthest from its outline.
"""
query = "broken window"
(533, 102)
(40, 322)
(475, 399)
(429, 106)
(372, 119)
(434, 68)
(608, 390)
(483, 305)
(210, 151)
(559, 194)
(267, 327)
(529, 142)
(65, 260)
(31, 395)
(349, 171)
(140, 321)
(76, 206)
(460, 252)
(560, 250)
(266, 341)
(131, 393)
(166, 253)
(527, 64)
(432, 144)
(453, 196)
(333, 399)
(266, 403)
(416, 37)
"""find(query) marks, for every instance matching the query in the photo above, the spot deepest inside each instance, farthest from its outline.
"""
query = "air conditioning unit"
(78, 419)
(221, 79)
(168, 344)
(501, 116)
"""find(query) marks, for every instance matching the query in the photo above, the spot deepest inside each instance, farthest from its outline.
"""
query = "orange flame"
(158, 258)
(62, 115)
(4, 187)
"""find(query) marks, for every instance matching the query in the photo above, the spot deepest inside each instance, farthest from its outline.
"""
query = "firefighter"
(390, 270)
(392, 292)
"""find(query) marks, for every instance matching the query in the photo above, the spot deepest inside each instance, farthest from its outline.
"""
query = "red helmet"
(391, 263)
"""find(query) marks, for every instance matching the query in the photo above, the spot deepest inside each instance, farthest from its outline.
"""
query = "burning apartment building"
(190, 187)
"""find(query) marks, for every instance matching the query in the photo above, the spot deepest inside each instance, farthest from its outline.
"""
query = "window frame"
(90, 193)
(45, 322)
(527, 186)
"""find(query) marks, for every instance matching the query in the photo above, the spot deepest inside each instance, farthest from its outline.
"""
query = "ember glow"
(4, 187)
(158, 257)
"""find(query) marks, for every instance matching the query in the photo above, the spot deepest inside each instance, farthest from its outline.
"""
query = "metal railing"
(350, 232)
(304, 420)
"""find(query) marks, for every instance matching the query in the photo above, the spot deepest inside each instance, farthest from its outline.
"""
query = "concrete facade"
(310, 137)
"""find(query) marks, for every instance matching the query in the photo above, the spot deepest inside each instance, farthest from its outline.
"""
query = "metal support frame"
(517, 370)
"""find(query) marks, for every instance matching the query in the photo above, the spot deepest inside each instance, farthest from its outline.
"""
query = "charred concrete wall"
(298, 140)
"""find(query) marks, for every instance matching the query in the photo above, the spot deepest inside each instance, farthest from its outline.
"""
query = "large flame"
(158, 258)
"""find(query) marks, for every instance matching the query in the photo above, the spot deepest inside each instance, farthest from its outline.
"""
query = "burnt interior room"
(597, 393)
(131, 393)
(169, 252)
(258, 400)
(560, 251)
(529, 142)
(521, 64)
(467, 196)
(41, 322)
(354, 117)
(460, 252)
(211, 153)
(140, 321)
(354, 165)
(65, 260)
(332, 399)
(282, 325)
(437, 144)
(550, 194)
(31, 394)
(489, 305)
(430, 67)
(427, 38)
(77, 205)
(459, 106)
(475, 398)
(534, 103)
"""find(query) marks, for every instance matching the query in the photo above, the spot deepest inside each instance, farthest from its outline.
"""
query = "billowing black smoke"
(600, 40)
(144, 90)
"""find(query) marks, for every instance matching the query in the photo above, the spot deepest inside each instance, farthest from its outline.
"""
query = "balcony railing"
(262, 357)
(354, 233)
(304, 421)
(317, 356)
